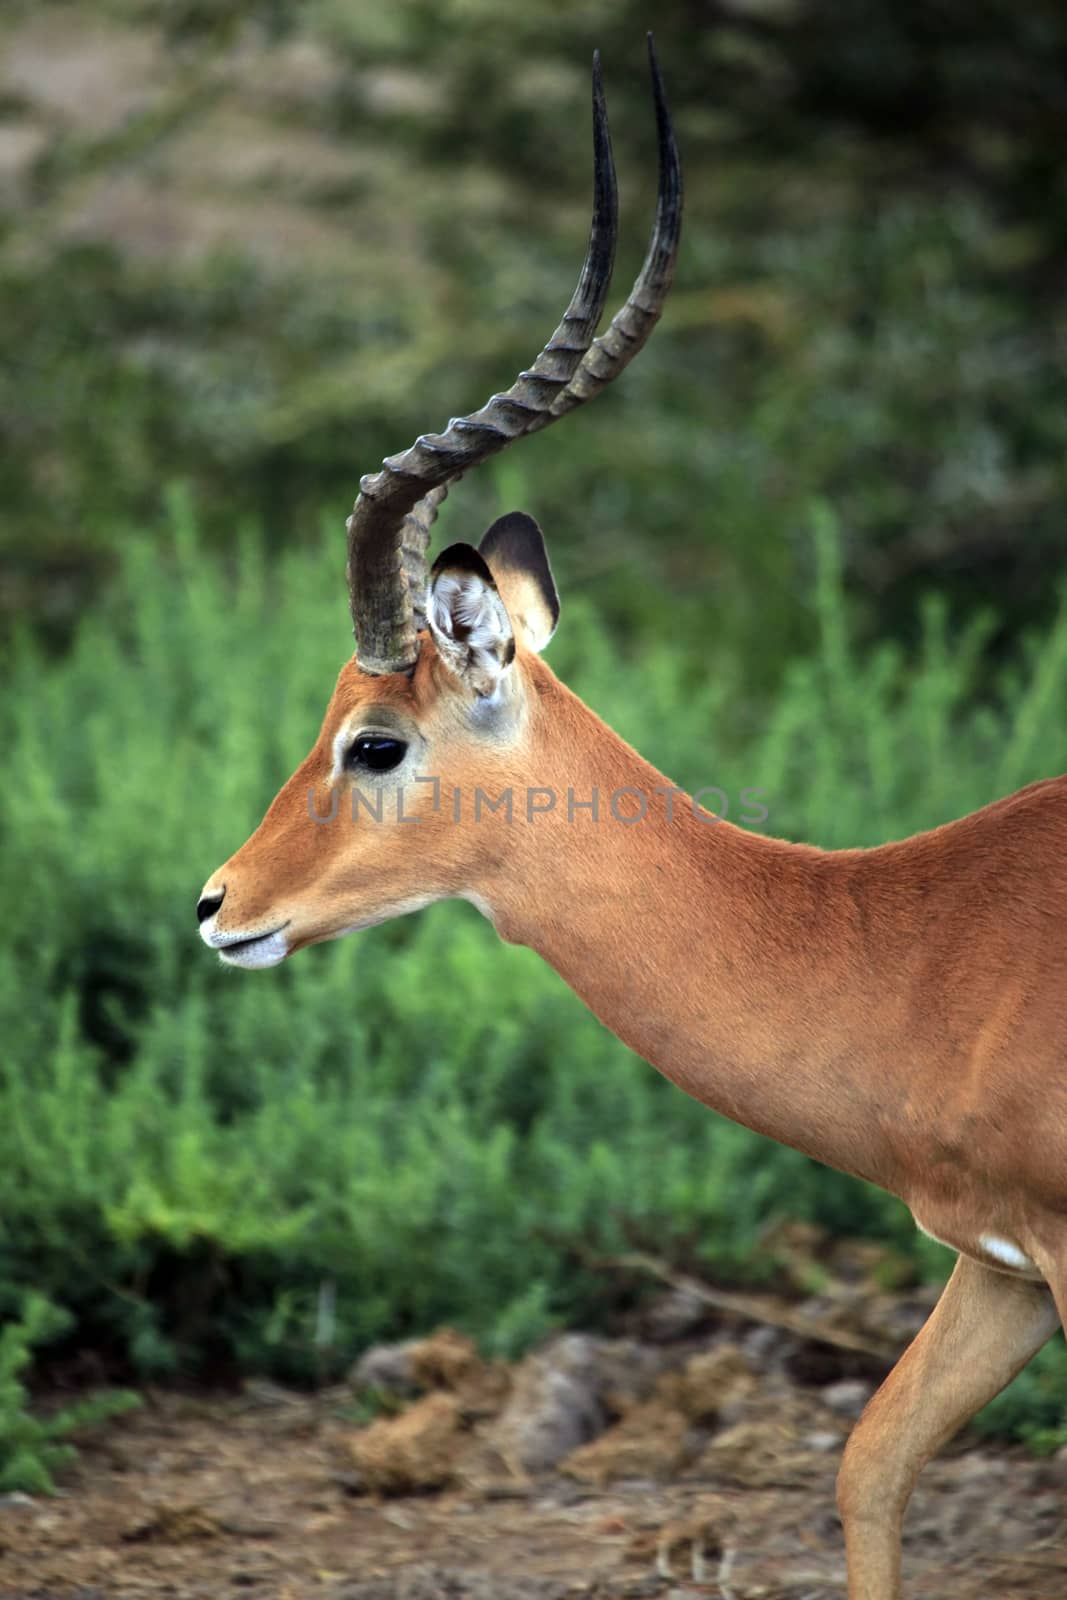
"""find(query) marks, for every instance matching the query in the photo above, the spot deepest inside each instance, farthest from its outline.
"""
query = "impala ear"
(468, 619)
(515, 549)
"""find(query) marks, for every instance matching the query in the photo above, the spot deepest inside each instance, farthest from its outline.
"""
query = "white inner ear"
(462, 608)
(471, 626)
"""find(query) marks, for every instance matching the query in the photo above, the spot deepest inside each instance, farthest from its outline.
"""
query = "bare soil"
(706, 1468)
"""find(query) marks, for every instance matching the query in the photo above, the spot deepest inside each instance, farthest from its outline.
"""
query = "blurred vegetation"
(257, 246)
(252, 247)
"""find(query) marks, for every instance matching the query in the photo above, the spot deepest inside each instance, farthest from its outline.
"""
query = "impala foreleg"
(982, 1331)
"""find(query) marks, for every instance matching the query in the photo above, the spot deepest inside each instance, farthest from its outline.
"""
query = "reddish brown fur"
(900, 1013)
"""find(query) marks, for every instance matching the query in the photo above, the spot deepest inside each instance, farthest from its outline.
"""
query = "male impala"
(900, 1013)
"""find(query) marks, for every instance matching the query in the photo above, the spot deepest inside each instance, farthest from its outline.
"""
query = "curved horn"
(389, 527)
(389, 530)
(631, 326)
(610, 352)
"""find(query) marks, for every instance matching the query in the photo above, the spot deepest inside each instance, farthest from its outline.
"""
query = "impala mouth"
(261, 950)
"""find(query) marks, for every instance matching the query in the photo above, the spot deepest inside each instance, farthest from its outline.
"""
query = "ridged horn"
(631, 325)
(389, 529)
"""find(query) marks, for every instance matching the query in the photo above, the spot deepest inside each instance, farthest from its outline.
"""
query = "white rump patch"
(1008, 1254)
(992, 1247)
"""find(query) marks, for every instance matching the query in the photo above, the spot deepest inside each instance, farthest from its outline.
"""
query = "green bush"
(31, 1448)
(419, 1123)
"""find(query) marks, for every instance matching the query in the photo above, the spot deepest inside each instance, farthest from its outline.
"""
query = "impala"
(899, 1013)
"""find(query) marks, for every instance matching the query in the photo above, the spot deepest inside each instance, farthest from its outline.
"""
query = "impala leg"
(982, 1331)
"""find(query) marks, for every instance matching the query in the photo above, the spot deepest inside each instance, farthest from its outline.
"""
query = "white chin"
(265, 952)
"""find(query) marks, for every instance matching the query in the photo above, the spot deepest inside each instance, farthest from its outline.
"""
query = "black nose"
(209, 905)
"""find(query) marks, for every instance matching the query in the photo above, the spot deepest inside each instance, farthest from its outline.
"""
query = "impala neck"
(724, 958)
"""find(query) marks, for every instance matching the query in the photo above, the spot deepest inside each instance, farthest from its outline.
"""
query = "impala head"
(440, 693)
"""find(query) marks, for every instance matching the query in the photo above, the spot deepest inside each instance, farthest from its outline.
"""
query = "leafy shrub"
(30, 1448)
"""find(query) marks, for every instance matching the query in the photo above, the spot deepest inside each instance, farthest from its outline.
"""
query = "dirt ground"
(693, 1456)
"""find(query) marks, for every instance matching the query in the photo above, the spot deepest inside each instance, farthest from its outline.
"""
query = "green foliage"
(278, 241)
(416, 1124)
(32, 1449)
(1034, 1407)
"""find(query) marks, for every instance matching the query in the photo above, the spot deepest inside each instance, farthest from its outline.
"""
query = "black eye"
(376, 752)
